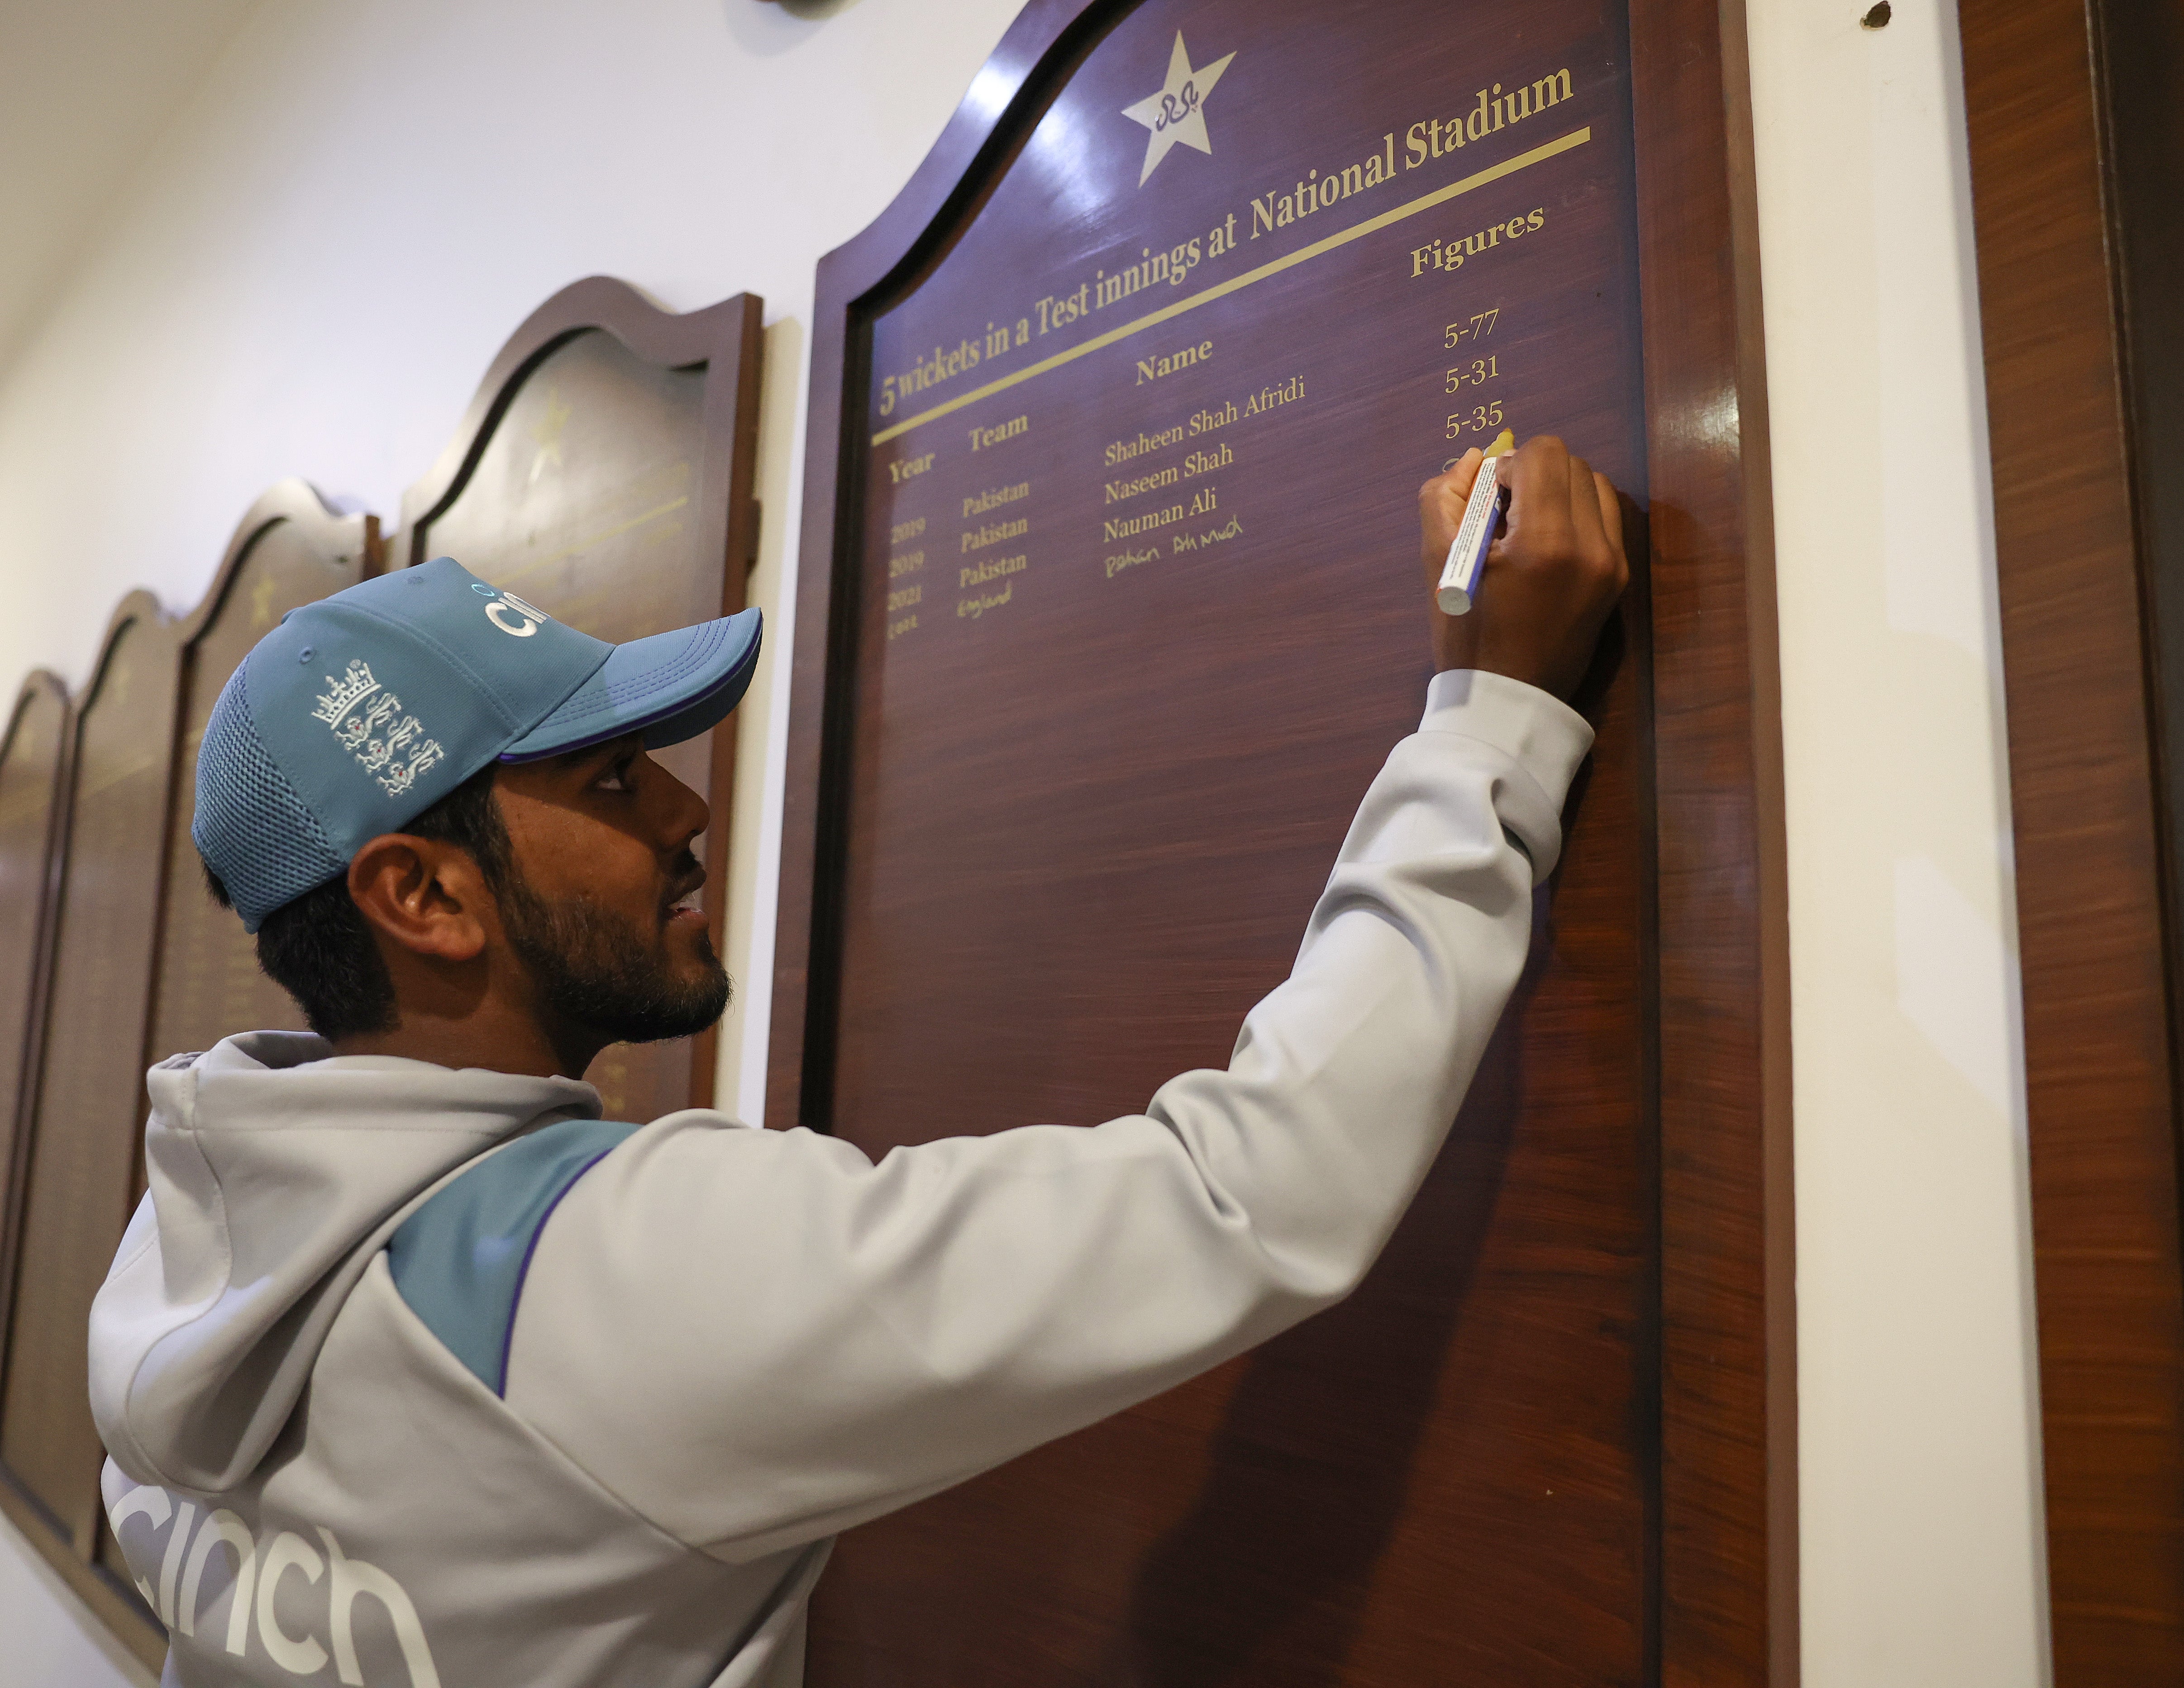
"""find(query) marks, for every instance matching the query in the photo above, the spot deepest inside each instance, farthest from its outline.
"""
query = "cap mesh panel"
(251, 825)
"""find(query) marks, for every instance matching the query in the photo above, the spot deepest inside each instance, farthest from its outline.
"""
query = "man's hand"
(1550, 578)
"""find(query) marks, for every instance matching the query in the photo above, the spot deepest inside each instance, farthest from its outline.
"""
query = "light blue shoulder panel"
(459, 1260)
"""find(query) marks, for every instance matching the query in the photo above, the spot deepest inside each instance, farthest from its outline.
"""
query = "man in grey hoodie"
(411, 1366)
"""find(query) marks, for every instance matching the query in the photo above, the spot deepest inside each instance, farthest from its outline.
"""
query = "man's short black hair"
(320, 948)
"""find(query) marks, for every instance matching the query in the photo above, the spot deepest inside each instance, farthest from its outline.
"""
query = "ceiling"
(86, 87)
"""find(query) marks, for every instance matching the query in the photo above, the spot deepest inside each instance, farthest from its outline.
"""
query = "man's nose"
(684, 814)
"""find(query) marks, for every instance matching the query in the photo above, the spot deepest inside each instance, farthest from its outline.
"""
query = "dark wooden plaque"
(86, 1100)
(2076, 155)
(605, 472)
(290, 550)
(33, 759)
(1108, 612)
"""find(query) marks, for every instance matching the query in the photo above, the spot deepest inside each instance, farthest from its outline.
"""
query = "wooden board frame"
(337, 536)
(2096, 922)
(1725, 1548)
(111, 1602)
(70, 1544)
(727, 339)
(342, 538)
(45, 684)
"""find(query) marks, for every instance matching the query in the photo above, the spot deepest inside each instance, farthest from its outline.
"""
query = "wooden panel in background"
(983, 925)
(197, 981)
(605, 472)
(2074, 557)
(33, 761)
(1727, 1408)
(1096, 783)
(617, 488)
(290, 550)
(83, 1148)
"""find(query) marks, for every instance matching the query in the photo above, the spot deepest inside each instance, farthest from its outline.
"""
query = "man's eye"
(615, 778)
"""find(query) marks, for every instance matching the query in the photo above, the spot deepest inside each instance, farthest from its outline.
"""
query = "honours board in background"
(1120, 412)
(1150, 428)
(1138, 615)
(585, 499)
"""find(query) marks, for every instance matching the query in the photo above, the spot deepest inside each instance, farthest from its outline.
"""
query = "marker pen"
(1482, 519)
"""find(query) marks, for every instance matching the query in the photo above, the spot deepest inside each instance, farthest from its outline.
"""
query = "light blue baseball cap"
(359, 712)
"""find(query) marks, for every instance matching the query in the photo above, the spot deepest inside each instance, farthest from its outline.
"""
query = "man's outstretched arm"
(757, 1339)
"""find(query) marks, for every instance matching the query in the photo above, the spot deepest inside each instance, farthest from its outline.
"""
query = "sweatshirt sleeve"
(756, 1338)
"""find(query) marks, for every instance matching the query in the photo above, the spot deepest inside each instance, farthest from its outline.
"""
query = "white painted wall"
(328, 242)
(84, 90)
(1918, 1429)
(52, 1639)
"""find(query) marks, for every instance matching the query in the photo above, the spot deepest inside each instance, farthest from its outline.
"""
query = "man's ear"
(426, 896)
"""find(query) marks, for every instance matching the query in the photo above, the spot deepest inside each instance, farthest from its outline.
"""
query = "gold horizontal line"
(1508, 167)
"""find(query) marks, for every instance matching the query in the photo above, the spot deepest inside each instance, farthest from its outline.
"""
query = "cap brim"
(670, 686)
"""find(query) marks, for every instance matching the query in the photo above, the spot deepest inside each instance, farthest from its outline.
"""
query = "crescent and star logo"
(1177, 113)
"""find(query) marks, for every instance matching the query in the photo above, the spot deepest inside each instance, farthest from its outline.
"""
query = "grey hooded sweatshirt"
(595, 1415)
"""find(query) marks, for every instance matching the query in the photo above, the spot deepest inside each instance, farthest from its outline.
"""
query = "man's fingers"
(1611, 522)
(1559, 563)
(1588, 526)
(1596, 524)
(1539, 496)
(1457, 478)
(1440, 510)
(1539, 471)
(1594, 539)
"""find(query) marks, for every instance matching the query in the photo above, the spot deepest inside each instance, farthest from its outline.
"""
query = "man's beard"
(600, 971)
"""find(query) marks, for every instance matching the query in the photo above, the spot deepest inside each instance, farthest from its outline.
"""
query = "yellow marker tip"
(1504, 443)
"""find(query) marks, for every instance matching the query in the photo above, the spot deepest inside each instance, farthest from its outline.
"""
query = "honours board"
(1110, 612)
(33, 755)
(290, 550)
(606, 463)
(82, 1148)
(605, 472)
(1138, 538)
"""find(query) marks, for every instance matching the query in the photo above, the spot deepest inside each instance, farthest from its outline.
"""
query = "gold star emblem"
(1177, 113)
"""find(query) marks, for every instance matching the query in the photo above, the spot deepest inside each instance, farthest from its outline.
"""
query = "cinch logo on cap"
(510, 613)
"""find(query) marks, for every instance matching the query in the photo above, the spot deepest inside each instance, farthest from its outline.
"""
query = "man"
(412, 1368)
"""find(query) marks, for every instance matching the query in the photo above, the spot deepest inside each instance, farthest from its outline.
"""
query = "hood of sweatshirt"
(275, 1170)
